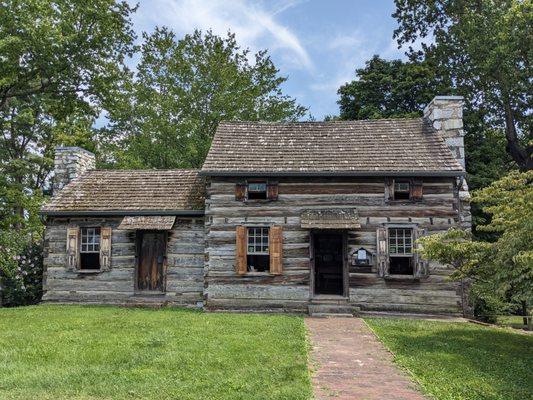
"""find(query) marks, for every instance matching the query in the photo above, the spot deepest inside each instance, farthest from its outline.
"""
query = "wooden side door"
(152, 259)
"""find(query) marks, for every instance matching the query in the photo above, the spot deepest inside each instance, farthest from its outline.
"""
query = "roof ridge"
(229, 122)
(146, 170)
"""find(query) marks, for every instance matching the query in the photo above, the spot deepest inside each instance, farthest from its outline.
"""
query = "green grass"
(461, 360)
(512, 321)
(83, 352)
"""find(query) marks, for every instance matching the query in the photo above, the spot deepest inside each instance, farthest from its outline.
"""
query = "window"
(257, 191)
(401, 251)
(402, 191)
(258, 255)
(90, 248)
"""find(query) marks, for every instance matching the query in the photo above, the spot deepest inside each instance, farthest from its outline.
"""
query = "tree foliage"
(485, 45)
(503, 268)
(183, 89)
(61, 62)
(390, 89)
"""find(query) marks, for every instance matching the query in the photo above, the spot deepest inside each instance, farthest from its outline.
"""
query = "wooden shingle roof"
(135, 191)
(382, 146)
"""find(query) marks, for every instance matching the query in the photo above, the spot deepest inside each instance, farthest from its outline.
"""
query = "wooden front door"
(151, 264)
(328, 257)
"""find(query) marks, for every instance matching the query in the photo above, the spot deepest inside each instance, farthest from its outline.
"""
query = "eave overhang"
(384, 174)
(121, 213)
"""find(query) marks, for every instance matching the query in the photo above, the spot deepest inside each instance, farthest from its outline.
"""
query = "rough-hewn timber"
(224, 289)
(183, 274)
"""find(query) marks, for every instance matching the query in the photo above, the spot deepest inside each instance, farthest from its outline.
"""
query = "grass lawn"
(84, 352)
(461, 360)
(512, 321)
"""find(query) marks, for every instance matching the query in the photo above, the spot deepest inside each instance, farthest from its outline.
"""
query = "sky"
(316, 44)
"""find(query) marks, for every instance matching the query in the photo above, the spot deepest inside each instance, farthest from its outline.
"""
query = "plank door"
(328, 256)
(152, 256)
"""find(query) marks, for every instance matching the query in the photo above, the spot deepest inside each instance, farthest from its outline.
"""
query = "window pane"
(90, 240)
(257, 187)
(258, 241)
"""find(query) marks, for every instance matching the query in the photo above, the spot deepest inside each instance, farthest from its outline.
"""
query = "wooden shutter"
(382, 251)
(276, 250)
(240, 191)
(416, 190)
(389, 189)
(272, 190)
(73, 251)
(421, 267)
(240, 252)
(105, 248)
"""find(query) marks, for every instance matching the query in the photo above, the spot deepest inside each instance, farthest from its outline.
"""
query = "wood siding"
(436, 211)
(116, 284)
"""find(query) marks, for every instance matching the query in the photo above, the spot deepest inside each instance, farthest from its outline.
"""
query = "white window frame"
(404, 238)
(259, 248)
(90, 238)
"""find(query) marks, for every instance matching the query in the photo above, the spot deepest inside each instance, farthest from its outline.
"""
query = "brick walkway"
(350, 363)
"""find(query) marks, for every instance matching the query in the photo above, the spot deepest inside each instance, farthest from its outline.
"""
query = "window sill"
(88, 271)
(257, 273)
(395, 202)
(410, 278)
(258, 201)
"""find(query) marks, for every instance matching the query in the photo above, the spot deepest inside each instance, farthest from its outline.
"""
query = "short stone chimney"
(70, 163)
(446, 115)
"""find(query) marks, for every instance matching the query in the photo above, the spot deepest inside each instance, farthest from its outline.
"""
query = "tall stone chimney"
(70, 163)
(445, 113)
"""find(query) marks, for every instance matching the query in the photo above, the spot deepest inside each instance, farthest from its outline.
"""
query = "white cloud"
(255, 24)
(348, 51)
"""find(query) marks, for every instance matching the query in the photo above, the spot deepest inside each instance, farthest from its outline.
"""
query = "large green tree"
(183, 89)
(390, 89)
(61, 62)
(485, 46)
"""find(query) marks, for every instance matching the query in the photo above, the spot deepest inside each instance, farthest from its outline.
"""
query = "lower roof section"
(119, 192)
(122, 213)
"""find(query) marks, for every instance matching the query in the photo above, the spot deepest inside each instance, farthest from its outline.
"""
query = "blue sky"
(317, 44)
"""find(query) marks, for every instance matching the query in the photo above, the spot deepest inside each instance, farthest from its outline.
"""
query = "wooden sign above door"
(148, 222)
(330, 218)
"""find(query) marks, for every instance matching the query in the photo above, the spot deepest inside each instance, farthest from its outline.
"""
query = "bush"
(21, 272)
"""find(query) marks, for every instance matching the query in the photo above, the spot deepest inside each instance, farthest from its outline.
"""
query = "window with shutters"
(403, 190)
(90, 248)
(258, 252)
(400, 251)
(256, 190)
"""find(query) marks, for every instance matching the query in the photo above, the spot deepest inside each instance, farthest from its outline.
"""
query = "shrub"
(21, 271)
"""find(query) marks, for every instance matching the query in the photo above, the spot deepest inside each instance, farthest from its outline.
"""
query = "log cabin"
(306, 217)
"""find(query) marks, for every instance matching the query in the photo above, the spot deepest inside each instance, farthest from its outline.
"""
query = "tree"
(385, 89)
(61, 62)
(502, 268)
(486, 47)
(183, 89)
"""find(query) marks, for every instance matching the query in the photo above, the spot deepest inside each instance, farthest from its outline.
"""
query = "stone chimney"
(445, 113)
(69, 164)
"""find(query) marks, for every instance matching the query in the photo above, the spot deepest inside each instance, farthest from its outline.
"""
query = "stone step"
(331, 315)
(329, 308)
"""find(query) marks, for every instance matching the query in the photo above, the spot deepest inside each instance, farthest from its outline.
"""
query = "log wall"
(183, 276)
(224, 289)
